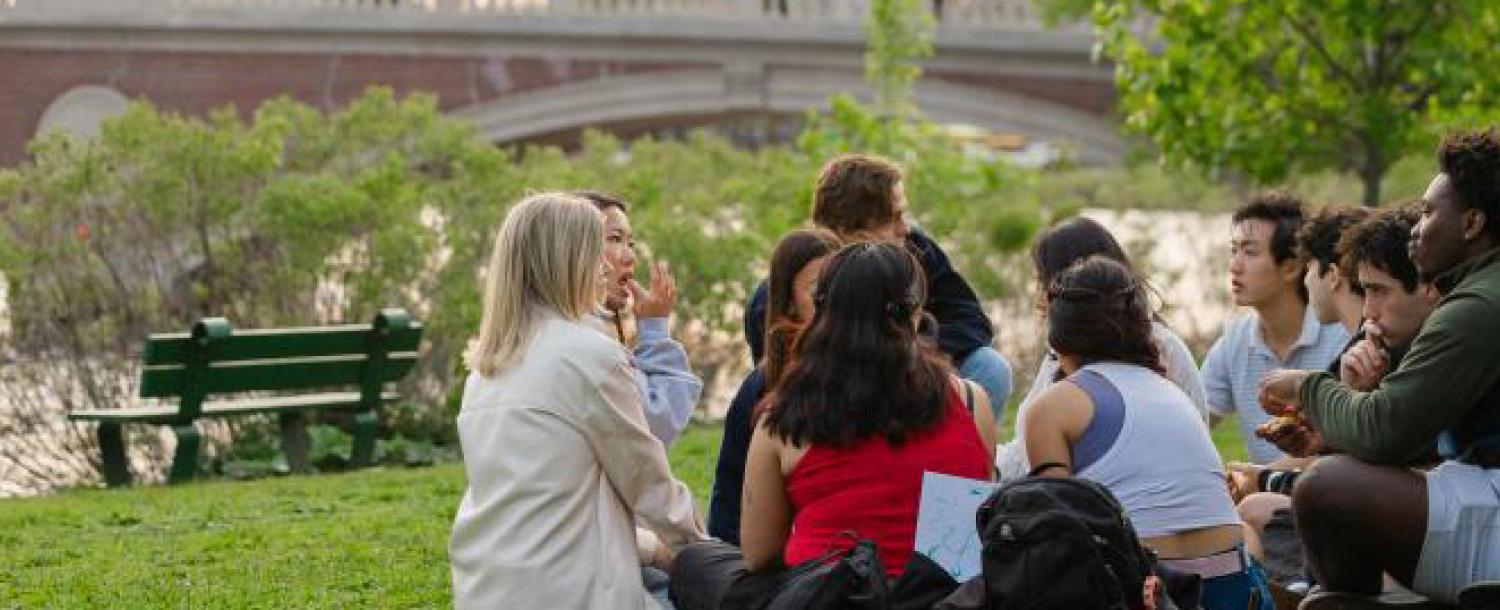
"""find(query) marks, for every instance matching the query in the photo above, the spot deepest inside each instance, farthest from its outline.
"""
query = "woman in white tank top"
(1052, 252)
(1117, 421)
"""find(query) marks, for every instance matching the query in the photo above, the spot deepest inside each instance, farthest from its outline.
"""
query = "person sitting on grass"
(795, 266)
(662, 371)
(866, 407)
(559, 459)
(862, 198)
(1334, 298)
(1364, 513)
(1283, 332)
(1058, 248)
(1331, 291)
(1117, 421)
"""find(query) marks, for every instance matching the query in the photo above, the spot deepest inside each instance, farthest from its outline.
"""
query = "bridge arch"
(81, 110)
(683, 94)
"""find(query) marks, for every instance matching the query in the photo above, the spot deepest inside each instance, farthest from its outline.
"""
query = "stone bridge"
(541, 70)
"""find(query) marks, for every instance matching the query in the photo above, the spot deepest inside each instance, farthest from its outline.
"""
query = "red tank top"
(874, 489)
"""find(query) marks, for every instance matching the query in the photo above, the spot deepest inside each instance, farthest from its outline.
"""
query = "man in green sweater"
(1363, 513)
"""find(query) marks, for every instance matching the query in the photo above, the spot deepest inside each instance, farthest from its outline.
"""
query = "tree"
(899, 37)
(981, 205)
(1270, 88)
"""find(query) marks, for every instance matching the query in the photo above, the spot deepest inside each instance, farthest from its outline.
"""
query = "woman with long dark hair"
(864, 409)
(1056, 249)
(664, 376)
(1115, 420)
(795, 265)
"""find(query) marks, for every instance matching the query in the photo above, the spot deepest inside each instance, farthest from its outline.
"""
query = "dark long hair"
(861, 369)
(1075, 239)
(1097, 312)
(783, 321)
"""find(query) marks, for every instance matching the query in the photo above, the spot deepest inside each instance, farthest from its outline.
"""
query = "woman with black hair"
(1056, 249)
(866, 406)
(795, 265)
(1115, 420)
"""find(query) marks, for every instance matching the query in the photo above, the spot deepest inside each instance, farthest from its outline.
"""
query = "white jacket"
(560, 462)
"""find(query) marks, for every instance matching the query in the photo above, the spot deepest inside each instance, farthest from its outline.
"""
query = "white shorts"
(1463, 532)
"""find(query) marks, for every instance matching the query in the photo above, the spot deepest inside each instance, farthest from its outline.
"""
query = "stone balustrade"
(950, 14)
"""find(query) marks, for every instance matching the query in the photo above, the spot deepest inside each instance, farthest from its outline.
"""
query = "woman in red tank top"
(866, 408)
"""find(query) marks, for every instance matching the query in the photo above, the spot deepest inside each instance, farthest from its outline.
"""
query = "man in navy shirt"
(861, 198)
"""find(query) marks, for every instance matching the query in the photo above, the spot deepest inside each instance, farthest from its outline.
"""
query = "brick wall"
(195, 82)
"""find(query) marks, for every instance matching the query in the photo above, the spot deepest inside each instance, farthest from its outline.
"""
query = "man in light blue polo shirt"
(1266, 275)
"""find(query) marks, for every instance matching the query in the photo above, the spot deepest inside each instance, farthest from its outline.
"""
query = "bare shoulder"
(1060, 401)
(787, 454)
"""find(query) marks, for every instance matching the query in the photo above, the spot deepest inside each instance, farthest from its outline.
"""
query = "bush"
(298, 217)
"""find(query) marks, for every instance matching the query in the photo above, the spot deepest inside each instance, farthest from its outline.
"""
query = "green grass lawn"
(374, 538)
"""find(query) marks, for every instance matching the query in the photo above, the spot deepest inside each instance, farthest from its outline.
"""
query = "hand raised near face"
(662, 296)
(1364, 365)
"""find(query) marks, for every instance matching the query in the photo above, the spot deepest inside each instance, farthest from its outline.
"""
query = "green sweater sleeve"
(1450, 367)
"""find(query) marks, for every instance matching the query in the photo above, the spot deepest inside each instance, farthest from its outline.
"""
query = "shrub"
(297, 217)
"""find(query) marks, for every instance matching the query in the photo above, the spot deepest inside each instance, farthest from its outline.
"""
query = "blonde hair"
(547, 259)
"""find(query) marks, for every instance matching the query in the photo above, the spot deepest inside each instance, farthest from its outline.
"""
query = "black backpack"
(855, 581)
(1060, 544)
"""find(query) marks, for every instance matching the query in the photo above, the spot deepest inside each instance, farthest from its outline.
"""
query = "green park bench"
(301, 369)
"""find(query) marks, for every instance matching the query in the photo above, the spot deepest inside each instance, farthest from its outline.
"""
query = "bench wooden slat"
(266, 344)
(226, 408)
(284, 374)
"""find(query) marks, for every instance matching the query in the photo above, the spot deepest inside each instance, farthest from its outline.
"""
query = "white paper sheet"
(946, 530)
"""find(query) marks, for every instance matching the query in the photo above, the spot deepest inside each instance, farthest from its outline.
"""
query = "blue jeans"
(988, 368)
(656, 584)
(1234, 590)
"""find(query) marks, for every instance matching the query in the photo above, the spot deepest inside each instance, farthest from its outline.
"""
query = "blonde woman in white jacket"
(560, 461)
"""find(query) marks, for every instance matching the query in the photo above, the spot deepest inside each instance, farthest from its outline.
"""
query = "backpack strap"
(968, 395)
(1045, 466)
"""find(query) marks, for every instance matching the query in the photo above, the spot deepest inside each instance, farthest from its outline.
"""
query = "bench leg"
(112, 452)
(365, 424)
(295, 441)
(185, 463)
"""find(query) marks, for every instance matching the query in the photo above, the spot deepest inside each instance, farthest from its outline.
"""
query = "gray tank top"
(1148, 445)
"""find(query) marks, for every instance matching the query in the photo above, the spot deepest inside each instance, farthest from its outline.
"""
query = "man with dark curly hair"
(1364, 513)
(1397, 300)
